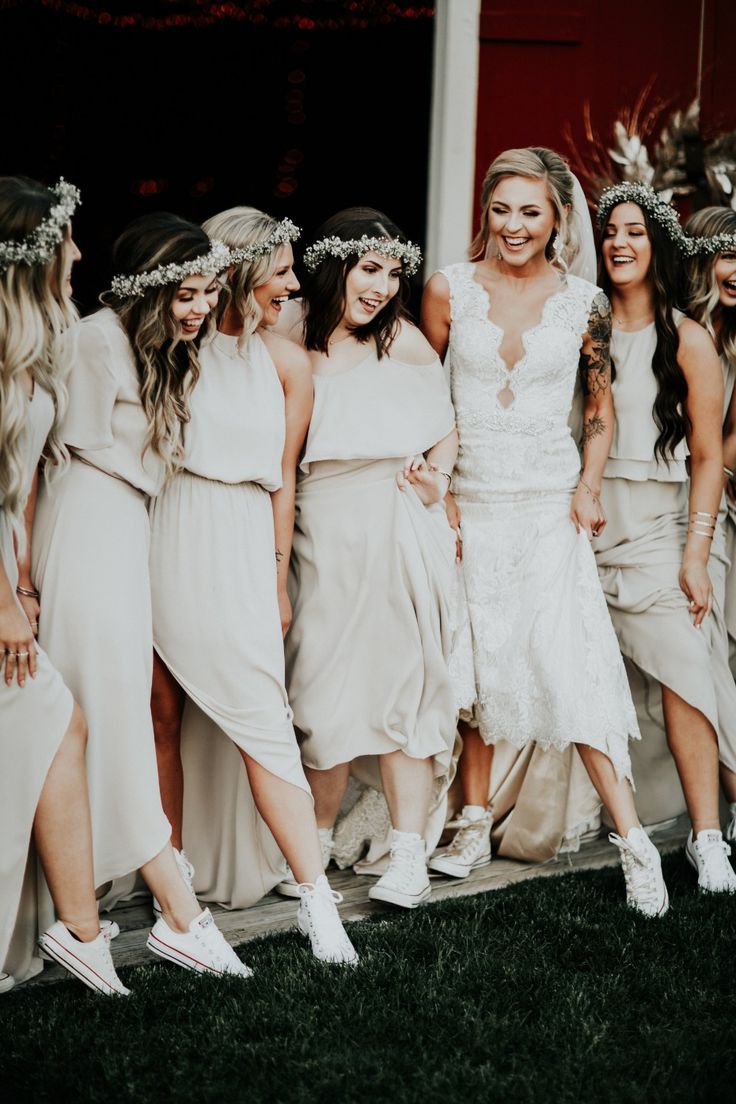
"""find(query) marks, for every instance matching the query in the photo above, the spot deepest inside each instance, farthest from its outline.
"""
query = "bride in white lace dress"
(546, 666)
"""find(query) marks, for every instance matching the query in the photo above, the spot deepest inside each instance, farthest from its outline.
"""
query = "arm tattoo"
(279, 555)
(593, 427)
(595, 365)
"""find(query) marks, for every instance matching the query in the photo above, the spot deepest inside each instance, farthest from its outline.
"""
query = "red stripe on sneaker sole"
(104, 987)
(173, 954)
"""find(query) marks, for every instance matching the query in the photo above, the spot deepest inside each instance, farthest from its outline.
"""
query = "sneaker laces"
(210, 936)
(639, 873)
(715, 857)
(321, 903)
(402, 865)
(467, 839)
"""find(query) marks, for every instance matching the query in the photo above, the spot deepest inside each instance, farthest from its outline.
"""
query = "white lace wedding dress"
(537, 658)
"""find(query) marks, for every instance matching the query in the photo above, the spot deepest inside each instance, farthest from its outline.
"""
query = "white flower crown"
(132, 287)
(409, 254)
(284, 232)
(39, 246)
(717, 243)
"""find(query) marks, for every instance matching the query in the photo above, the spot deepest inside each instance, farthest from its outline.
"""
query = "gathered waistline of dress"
(103, 471)
(223, 482)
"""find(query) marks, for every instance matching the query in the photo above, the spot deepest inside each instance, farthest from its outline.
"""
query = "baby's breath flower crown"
(718, 243)
(285, 232)
(409, 254)
(132, 287)
(39, 246)
(645, 197)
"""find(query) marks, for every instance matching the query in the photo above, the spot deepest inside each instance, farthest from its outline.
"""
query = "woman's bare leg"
(694, 748)
(167, 708)
(615, 794)
(63, 834)
(328, 790)
(407, 785)
(290, 814)
(162, 876)
(474, 767)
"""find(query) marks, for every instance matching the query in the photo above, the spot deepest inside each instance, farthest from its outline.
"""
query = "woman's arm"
(295, 373)
(17, 646)
(29, 602)
(598, 417)
(435, 314)
(701, 367)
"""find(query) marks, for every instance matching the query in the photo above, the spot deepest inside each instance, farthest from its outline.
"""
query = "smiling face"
(724, 272)
(627, 247)
(369, 286)
(194, 299)
(274, 293)
(521, 219)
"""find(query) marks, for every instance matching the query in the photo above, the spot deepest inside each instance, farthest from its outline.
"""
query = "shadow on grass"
(548, 991)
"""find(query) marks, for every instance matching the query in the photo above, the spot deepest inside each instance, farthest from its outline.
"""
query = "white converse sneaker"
(6, 983)
(730, 832)
(203, 948)
(320, 921)
(288, 886)
(90, 962)
(708, 853)
(470, 847)
(642, 866)
(187, 872)
(406, 882)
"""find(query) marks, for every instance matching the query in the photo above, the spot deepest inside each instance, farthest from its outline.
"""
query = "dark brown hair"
(324, 289)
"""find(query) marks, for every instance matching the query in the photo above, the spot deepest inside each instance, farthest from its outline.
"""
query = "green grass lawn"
(548, 991)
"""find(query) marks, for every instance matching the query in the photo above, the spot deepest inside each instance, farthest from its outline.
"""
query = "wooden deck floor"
(275, 913)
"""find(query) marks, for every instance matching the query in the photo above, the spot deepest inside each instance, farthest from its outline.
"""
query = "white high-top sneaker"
(187, 872)
(288, 886)
(320, 921)
(642, 866)
(470, 846)
(406, 882)
(708, 852)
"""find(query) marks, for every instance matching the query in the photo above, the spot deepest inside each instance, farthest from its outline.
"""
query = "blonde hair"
(168, 368)
(239, 227)
(534, 163)
(34, 315)
(704, 303)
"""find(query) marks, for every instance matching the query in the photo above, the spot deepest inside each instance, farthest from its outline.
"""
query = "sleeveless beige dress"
(90, 562)
(372, 575)
(639, 555)
(33, 721)
(216, 618)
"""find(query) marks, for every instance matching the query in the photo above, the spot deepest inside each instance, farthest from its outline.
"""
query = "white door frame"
(453, 128)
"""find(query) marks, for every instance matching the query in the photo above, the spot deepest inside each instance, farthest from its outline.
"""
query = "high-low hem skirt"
(33, 721)
(639, 556)
(217, 628)
(90, 553)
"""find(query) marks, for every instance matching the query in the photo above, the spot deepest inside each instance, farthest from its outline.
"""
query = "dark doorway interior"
(194, 120)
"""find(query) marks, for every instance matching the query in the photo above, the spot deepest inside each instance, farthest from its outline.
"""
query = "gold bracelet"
(729, 472)
(439, 471)
(591, 492)
(700, 533)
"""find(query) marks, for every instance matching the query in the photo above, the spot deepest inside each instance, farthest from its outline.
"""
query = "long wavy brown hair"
(168, 366)
(668, 410)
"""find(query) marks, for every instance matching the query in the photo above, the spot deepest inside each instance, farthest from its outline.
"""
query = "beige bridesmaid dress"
(90, 562)
(372, 576)
(216, 618)
(723, 557)
(33, 721)
(639, 555)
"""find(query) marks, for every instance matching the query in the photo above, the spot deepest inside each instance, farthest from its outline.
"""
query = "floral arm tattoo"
(595, 363)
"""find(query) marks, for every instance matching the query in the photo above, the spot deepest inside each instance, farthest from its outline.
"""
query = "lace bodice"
(513, 424)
